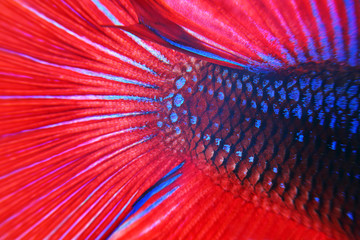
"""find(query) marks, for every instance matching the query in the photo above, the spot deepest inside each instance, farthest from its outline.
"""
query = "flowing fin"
(237, 31)
(79, 135)
(182, 216)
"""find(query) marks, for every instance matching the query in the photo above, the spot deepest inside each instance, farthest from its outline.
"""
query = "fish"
(143, 119)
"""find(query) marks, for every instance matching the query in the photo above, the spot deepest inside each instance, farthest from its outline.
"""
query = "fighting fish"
(161, 119)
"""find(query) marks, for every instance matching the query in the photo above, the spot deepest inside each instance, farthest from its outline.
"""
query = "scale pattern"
(286, 140)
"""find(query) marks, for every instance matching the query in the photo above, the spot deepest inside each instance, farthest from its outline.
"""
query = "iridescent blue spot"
(286, 113)
(218, 79)
(310, 119)
(309, 112)
(235, 75)
(332, 121)
(188, 69)
(221, 96)
(318, 99)
(276, 110)
(210, 91)
(290, 83)
(329, 102)
(333, 145)
(228, 83)
(282, 185)
(357, 176)
(173, 117)
(316, 199)
(201, 87)
(265, 82)
(278, 83)
(353, 105)
(257, 123)
(306, 98)
(282, 94)
(304, 82)
(249, 87)
(301, 138)
(184, 112)
(207, 137)
(216, 125)
(225, 72)
(316, 83)
(340, 90)
(245, 78)
(233, 99)
(350, 215)
(243, 102)
(264, 106)
(294, 94)
(238, 153)
(180, 82)
(297, 111)
(352, 91)
(256, 80)
(226, 148)
(178, 100)
(275, 170)
(270, 92)
(217, 141)
(253, 104)
(238, 84)
(177, 130)
(341, 102)
(328, 87)
(251, 159)
(259, 92)
(193, 119)
(354, 126)
(169, 106)
(321, 118)
(194, 78)
(159, 124)
(189, 90)
(169, 96)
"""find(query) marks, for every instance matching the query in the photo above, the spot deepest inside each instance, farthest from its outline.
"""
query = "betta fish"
(161, 119)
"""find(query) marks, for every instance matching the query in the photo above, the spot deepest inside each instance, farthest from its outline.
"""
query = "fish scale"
(287, 141)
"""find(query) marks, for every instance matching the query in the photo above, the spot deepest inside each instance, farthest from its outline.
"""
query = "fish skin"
(81, 145)
(284, 141)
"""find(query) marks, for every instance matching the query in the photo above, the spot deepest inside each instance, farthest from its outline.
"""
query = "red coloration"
(69, 166)
(244, 31)
(202, 210)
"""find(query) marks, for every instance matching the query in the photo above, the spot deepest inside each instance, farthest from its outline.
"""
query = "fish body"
(150, 119)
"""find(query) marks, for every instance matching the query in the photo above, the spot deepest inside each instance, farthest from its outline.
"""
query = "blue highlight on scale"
(178, 100)
(173, 117)
(180, 82)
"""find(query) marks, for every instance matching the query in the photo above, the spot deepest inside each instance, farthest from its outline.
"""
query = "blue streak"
(352, 32)
(339, 42)
(322, 31)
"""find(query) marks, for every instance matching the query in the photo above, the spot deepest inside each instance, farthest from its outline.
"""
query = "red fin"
(153, 14)
(143, 32)
(199, 209)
